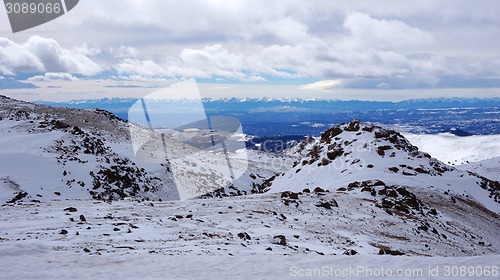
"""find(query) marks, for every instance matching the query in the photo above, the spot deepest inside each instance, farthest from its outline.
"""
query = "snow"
(456, 150)
(64, 266)
(489, 168)
(207, 244)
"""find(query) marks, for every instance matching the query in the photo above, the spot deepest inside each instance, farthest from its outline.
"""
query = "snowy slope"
(357, 152)
(66, 265)
(489, 168)
(58, 153)
(456, 150)
(250, 225)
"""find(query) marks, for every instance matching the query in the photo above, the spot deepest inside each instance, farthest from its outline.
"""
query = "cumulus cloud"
(15, 57)
(50, 77)
(40, 54)
(140, 67)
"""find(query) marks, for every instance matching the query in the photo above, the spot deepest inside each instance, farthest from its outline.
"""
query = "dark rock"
(331, 133)
(319, 190)
(368, 128)
(244, 236)
(394, 169)
(353, 185)
(392, 193)
(18, 196)
(381, 133)
(353, 126)
(82, 218)
(294, 195)
(390, 252)
(280, 240)
(378, 183)
(63, 231)
(71, 209)
(350, 252)
(328, 204)
(335, 153)
(421, 170)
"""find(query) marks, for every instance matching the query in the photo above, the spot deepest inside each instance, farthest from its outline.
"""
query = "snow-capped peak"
(359, 151)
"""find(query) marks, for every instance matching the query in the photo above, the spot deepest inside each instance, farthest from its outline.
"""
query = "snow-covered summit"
(357, 152)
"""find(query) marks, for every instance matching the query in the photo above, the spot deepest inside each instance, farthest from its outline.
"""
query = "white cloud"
(40, 54)
(50, 77)
(322, 85)
(383, 85)
(123, 52)
(57, 59)
(140, 67)
(15, 57)
(368, 32)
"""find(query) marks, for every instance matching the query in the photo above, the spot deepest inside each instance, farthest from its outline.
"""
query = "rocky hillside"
(350, 154)
(59, 153)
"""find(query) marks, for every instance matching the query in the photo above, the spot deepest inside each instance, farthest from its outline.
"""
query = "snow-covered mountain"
(53, 153)
(353, 153)
(357, 189)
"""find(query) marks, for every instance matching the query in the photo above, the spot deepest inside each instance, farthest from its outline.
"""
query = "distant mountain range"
(273, 117)
(290, 104)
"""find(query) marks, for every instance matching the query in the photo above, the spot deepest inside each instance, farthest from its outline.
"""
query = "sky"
(368, 50)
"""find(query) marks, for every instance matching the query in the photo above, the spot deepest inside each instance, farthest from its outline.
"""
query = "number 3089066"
(33, 8)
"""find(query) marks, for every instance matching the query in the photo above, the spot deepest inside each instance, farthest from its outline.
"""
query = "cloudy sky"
(376, 50)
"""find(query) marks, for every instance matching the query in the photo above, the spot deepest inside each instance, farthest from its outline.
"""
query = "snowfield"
(43, 265)
(457, 150)
(233, 238)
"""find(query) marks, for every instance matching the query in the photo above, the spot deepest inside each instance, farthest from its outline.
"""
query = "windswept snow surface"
(456, 150)
(40, 265)
(234, 238)
(489, 168)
